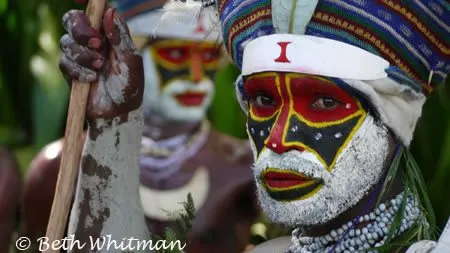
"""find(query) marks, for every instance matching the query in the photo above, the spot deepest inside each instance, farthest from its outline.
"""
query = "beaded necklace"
(161, 161)
(347, 239)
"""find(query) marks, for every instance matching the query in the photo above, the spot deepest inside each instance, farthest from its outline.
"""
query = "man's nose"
(196, 67)
(276, 143)
(281, 148)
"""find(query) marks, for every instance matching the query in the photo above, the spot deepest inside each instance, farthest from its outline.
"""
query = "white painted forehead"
(311, 55)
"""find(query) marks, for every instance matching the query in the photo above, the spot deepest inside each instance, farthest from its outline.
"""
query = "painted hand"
(108, 58)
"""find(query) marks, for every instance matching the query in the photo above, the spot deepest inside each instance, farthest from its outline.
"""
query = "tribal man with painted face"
(180, 153)
(333, 90)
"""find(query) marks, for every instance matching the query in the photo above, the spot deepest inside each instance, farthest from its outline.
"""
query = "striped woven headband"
(243, 21)
(414, 35)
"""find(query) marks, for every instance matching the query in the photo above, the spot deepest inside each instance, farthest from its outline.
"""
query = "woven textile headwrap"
(243, 21)
(170, 19)
(396, 52)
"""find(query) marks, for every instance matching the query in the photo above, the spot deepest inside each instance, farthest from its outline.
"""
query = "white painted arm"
(107, 203)
(107, 208)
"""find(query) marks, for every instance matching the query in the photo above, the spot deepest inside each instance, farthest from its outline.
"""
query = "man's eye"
(207, 56)
(175, 53)
(263, 101)
(325, 104)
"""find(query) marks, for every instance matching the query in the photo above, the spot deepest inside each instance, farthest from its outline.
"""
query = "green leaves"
(225, 112)
(391, 174)
(33, 95)
(3, 6)
(431, 150)
(50, 94)
(179, 231)
(416, 183)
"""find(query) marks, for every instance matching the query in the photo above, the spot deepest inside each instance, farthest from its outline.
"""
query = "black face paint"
(168, 75)
(325, 141)
(184, 60)
(289, 195)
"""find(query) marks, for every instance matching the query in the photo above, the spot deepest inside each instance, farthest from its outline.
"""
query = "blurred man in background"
(180, 153)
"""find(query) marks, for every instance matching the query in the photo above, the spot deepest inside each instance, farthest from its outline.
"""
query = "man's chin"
(303, 212)
(188, 115)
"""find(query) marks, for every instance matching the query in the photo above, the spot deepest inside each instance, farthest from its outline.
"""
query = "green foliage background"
(33, 96)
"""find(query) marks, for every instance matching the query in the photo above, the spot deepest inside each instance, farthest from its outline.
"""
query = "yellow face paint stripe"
(319, 157)
(324, 124)
(313, 181)
(306, 196)
(286, 128)
(361, 112)
(167, 64)
(350, 137)
(289, 77)
(179, 43)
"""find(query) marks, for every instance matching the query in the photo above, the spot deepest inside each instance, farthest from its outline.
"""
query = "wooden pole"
(71, 153)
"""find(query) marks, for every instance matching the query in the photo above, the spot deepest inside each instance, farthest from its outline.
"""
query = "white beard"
(162, 103)
(358, 168)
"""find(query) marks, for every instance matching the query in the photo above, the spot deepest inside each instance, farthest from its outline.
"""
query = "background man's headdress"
(169, 19)
(409, 40)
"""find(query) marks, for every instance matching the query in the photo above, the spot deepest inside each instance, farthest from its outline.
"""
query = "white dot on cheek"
(274, 145)
(261, 133)
(294, 129)
(252, 130)
(348, 106)
(338, 135)
(318, 136)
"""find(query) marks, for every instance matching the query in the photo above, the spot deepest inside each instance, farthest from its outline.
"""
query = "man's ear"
(241, 95)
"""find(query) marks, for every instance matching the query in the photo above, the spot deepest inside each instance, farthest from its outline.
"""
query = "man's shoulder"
(48, 158)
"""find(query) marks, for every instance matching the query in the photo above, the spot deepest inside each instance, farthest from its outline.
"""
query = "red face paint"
(174, 54)
(319, 100)
(189, 99)
(294, 111)
(265, 89)
(180, 59)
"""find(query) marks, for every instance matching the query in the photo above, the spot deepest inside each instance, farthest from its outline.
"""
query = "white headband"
(311, 55)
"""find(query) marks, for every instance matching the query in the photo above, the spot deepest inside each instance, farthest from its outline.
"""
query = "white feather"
(281, 15)
(183, 12)
(188, 13)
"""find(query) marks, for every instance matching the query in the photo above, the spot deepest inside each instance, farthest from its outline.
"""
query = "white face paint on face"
(172, 109)
(358, 168)
(164, 103)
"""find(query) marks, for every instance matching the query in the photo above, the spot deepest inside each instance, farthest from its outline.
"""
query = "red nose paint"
(284, 180)
(191, 99)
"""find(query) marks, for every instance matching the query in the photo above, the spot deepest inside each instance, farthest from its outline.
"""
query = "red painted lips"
(282, 180)
(191, 98)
